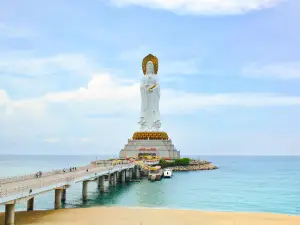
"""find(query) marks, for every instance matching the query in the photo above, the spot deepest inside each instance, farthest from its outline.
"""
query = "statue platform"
(150, 136)
(150, 143)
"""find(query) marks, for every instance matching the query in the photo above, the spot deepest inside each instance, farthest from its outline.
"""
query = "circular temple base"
(150, 136)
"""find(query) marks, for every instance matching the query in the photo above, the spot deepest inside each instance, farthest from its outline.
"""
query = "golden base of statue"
(150, 135)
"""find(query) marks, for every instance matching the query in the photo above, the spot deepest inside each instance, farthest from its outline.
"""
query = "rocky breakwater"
(195, 165)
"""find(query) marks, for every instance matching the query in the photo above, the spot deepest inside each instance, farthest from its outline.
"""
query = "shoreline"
(161, 208)
(111, 215)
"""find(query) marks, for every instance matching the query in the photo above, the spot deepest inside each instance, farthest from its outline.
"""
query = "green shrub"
(178, 162)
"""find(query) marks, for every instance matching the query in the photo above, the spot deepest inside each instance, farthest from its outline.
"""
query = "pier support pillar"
(9, 214)
(84, 190)
(130, 174)
(115, 179)
(137, 173)
(30, 204)
(98, 182)
(109, 179)
(63, 195)
(118, 177)
(101, 183)
(123, 176)
(57, 200)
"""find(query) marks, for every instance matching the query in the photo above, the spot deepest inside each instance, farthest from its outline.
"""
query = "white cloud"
(193, 102)
(8, 31)
(281, 71)
(100, 87)
(106, 94)
(51, 140)
(85, 140)
(203, 7)
(75, 63)
(3, 97)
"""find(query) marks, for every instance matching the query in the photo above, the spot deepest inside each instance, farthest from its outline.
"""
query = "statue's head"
(149, 68)
(150, 64)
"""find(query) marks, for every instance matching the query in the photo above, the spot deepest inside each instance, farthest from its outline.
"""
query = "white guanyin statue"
(150, 95)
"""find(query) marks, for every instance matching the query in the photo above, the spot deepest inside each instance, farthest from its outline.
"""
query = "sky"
(229, 73)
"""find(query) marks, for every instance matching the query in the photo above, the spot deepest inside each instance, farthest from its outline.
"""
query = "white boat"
(168, 173)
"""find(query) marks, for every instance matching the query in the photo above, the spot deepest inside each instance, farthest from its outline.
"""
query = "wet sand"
(145, 216)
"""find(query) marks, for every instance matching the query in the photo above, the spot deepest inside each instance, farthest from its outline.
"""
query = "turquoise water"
(243, 183)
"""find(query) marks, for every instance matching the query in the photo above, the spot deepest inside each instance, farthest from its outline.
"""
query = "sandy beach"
(143, 216)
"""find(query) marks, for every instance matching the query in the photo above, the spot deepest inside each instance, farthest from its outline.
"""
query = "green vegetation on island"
(171, 163)
(187, 164)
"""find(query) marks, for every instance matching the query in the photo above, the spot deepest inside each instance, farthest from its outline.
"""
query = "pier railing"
(11, 179)
(25, 189)
(151, 162)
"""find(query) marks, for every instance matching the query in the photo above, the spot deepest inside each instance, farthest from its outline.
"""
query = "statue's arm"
(155, 85)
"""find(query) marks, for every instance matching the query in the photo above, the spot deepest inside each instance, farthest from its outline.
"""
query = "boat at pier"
(168, 173)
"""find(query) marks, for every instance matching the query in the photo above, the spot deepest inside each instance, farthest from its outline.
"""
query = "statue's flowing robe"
(150, 101)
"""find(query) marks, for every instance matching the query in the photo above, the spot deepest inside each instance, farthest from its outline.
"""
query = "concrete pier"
(57, 201)
(9, 214)
(123, 176)
(30, 204)
(58, 183)
(63, 195)
(84, 190)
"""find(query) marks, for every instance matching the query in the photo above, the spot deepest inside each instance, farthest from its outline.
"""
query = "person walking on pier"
(39, 174)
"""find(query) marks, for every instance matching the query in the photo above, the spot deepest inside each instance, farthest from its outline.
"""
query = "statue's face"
(149, 67)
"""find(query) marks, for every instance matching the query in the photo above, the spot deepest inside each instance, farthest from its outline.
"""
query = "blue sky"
(229, 73)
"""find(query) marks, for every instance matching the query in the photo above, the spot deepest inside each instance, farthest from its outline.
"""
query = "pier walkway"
(25, 188)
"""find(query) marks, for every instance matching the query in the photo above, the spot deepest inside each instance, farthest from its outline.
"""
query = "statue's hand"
(150, 90)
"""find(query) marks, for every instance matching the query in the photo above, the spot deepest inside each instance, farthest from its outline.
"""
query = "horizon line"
(187, 154)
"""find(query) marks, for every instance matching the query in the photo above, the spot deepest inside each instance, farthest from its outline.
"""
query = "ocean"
(241, 184)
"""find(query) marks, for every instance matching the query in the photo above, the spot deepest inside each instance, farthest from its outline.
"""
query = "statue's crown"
(153, 59)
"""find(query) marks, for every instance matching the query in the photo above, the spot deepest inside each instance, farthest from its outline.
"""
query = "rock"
(195, 165)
